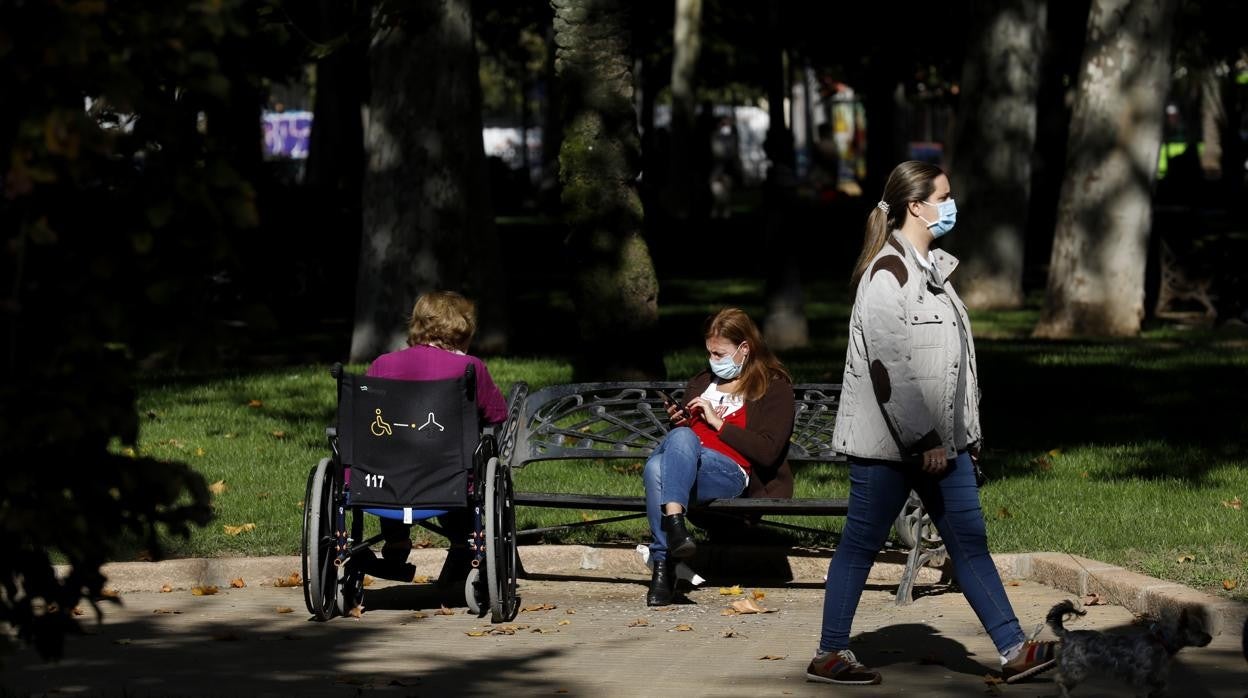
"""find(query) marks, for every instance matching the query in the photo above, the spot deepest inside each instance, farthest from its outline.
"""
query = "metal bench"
(627, 420)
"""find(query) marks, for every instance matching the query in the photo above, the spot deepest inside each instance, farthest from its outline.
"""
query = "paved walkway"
(589, 634)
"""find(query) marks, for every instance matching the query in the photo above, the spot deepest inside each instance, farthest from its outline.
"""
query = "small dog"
(1141, 659)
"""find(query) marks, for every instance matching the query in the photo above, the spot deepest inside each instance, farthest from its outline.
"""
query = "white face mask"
(726, 368)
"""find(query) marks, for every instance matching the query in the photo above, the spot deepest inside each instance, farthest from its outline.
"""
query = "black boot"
(679, 543)
(662, 583)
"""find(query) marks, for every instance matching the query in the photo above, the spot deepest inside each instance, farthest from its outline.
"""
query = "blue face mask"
(947, 215)
(726, 368)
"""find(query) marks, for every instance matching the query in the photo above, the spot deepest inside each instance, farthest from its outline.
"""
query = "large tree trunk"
(616, 291)
(427, 219)
(683, 181)
(1212, 122)
(996, 135)
(1096, 276)
(784, 326)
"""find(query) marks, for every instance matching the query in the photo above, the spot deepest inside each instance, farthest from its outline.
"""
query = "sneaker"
(840, 667)
(1031, 659)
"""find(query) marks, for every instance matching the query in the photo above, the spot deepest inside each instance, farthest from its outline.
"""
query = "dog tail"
(1058, 613)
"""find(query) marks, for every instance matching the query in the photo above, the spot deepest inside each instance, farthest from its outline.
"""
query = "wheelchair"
(410, 451)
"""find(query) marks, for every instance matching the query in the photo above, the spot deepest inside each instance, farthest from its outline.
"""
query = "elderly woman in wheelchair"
(414, 441)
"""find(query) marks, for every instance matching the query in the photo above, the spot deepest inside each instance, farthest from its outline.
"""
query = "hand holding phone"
(681, 412)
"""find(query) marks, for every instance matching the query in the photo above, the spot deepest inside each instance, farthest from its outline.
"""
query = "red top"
(710, 438)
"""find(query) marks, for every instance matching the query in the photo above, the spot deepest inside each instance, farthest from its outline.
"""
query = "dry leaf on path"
(683, 628)
(734, 590)
(1092, 599)
(539, 607)
(565, 622)
(570, 611)
(291, 580)
(757, 595)
(731, 633)
(166, 611)
(165, 588)
(476, 633)
(420, 579)
(206, 590)
(542, 631)
(639, 623)
(235, 530)
(444, 611)
(1013, 583)
(357, 612)
(747, 606)
(773, 657)
(218, 487)
(729, 611)
(285, 609)
(237, 583)
(1230, 584)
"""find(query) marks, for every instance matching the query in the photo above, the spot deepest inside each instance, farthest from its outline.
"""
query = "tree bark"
(1212, 122)
(784, 325)
(686, 46)
(1096, 274)
(616, 291)
(427, 217)
(996, 136)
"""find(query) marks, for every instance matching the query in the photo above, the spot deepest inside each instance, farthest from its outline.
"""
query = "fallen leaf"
(729, 611)
(421, 579)
(504, 630)
(166, 611)
(730, 633)
(128, 452)
(683, 628)
(285, 609)
(278, 434)
(165, 589)
(110, 593)
(1084, 475)
(1042, 463)
(419, 615)
(291, 580)
(1230, 584)
(1186, 558)
(773, 657)
(199, 451)
(586, 517)
(1233, 503)
(255, 404)
(1092, 599)
(203, 591)
(1054, 453)
(570, 611)
(444, 611)
(262, 495)
(639, 623)
(476, 633)
(747, 606)
(368, 581)
(235, 530)
(565, 622)
(1004, 513)
(1014, 583)
(734, 590)
(357, 612)
(542, 631)
(539, 607)
(758, 595)
(237, 583)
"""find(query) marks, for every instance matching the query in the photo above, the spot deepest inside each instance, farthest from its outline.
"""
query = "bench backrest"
(628, 420)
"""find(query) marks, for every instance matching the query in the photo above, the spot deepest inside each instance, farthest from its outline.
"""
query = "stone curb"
(1079, 576)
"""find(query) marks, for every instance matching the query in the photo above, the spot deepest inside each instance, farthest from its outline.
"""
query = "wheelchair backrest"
(408, 443)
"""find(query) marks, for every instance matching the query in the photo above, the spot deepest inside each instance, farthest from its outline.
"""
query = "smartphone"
(681, 410)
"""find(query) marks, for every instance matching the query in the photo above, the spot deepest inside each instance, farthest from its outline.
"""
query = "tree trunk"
(1096, 275)
(427, 217)
(683, 181)
(616, 291)
(1212, 123)
(784, 326)
(991, 162)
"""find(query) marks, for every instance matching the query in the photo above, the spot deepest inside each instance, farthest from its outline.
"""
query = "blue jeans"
(682, 469)
(877, 492)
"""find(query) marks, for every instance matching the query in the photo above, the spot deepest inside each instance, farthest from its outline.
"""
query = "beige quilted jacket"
(910, 382)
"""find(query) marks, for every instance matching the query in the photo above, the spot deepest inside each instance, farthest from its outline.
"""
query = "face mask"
(726, 368)
(947, 215)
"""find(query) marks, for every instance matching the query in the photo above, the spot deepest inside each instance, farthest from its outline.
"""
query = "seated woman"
(733, 432)
(439, 332)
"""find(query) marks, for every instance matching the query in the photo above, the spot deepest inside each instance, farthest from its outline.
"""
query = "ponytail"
(873, 240)
(909, 181)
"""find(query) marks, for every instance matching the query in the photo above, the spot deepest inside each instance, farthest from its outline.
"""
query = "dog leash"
(1113, 597)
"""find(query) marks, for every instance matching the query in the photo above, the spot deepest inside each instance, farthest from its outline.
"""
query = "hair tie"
(882, 205)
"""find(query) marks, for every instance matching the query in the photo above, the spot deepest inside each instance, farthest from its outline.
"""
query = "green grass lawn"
(1128, 452)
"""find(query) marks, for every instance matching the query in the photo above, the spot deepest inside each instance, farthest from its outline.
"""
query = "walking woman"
(909, 419)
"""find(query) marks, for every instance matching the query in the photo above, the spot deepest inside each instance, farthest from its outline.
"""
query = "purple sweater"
(426, 363)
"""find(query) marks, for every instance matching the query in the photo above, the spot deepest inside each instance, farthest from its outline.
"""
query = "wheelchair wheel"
(914, 519)
(500, 537)
(476, 596)
(320, 575)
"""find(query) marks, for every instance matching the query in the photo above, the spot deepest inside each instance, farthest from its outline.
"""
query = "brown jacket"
(765, 439)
